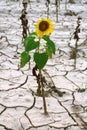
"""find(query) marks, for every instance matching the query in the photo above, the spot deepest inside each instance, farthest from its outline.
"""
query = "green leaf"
(30, 44)
(49, 52)
(25, 57)
(50, 44)
(33, 34)
(40, 59)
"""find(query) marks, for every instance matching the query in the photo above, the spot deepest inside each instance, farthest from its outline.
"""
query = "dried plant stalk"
(47, 5)
(24, 19)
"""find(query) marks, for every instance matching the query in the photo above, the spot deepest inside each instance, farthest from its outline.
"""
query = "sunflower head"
(44, 27)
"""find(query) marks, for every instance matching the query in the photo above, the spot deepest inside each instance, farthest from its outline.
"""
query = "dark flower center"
(43, 26)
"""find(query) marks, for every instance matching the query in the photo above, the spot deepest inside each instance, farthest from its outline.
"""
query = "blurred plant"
(70, 13)
(66, 5)
(24, 19)
(72, 1)
(73, 53)
(57, 4)
(47, 5)
(76, 37)
(68, 1)
(43, 47)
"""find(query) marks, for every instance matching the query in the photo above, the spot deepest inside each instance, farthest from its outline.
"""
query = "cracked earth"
(20, 108)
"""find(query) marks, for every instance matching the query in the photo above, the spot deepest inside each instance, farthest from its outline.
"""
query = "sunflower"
(44, 27)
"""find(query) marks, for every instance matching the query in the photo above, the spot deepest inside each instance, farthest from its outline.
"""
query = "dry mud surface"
(18, 111)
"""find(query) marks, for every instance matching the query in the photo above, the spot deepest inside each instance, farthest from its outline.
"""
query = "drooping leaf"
(25, 57)
(40, 59)
(30, 43)
(50, 44)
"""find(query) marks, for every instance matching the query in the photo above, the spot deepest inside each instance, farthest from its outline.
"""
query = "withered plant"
(47, 5)
(73, 53)
(24, 20)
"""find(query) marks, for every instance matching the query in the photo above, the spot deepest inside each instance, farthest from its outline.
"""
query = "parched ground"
(20, 108)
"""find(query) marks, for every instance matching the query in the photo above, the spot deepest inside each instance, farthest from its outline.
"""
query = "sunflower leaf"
(33, 34)
(50, 44)
(40, 59)
(30, 43)
(49, 52)
(25, 57)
